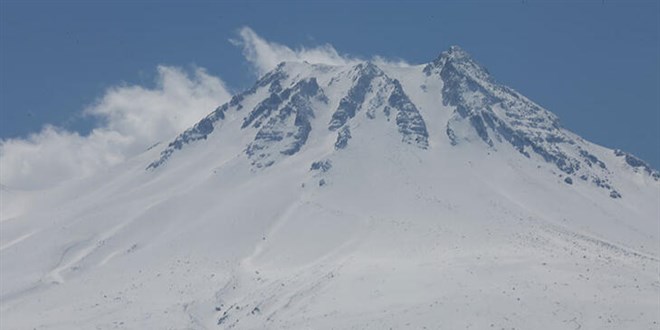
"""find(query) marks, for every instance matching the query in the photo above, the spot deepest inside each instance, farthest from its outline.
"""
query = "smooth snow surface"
(258, 218)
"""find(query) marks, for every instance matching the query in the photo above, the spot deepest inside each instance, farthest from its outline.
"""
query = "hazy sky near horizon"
(596, 64)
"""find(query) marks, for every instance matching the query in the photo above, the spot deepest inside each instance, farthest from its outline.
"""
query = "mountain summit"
(281, 111)
(362, 196)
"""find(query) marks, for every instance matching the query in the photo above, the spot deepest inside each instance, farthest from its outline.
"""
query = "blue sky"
(596, 64)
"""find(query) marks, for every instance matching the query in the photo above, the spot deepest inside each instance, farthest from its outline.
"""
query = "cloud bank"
(131, 119)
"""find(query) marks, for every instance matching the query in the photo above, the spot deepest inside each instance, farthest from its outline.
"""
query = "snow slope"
(363, 197)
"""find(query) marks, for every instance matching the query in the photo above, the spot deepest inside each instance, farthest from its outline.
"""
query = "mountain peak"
(296, 103)
(455, 51)
(272, 211)
(460, 61)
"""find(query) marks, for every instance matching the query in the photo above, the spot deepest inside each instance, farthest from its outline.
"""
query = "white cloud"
(265, 55)
(132, 118)
(400, 63)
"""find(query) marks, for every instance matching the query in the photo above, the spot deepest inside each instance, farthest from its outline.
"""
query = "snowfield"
(346, 197)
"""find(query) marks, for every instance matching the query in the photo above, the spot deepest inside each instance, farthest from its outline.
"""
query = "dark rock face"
(497, 114)
(263, 110)
(351, 103)
(288, 114)
(408, 119)
(484, 112)
(523, 124)
(591, 159)
(343, 136)
(322, 166)
(200, 131)
(637, 164)
(205, 127)
(283, 119)
(272, 79)
(389, 95)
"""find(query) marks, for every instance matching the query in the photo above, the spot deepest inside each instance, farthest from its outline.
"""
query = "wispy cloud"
(131, 118)
(265, 55)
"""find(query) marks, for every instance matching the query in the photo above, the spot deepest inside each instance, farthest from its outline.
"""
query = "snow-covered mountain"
(358, 196)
